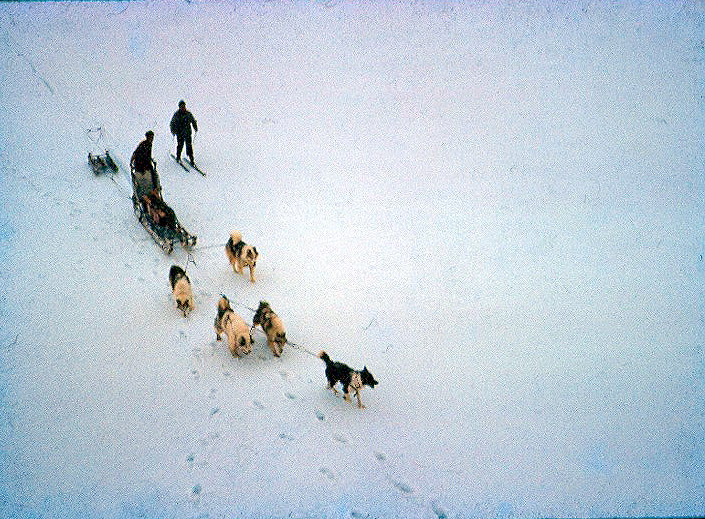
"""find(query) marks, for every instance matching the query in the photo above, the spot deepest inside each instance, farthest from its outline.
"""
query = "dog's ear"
(242, 341)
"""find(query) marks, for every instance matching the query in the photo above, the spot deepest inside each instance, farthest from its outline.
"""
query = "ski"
(187, 166)
(182, 164)
(198, 169)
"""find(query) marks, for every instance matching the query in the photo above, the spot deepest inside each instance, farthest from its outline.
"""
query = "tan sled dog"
(181, 288)
(272, 326)
(227, 321)
(241, 255)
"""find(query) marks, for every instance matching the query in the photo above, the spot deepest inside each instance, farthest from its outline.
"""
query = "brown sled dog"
(241, 255)
(272, 326)
(181, 288)
(227, 321)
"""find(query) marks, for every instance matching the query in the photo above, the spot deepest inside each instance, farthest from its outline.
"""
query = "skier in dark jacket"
(144, 173)
(180, 126)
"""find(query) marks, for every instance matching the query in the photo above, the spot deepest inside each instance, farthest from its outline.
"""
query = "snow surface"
(495, 206)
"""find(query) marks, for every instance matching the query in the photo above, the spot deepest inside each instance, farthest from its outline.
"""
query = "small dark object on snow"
(102, 163)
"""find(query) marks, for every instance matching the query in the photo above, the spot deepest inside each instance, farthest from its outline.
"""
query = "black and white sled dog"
(272, 326)
(227, 321)
(241, 255)
(348, 377)
(181, 288)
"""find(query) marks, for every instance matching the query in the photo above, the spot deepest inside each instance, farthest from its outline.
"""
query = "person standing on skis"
(180, 126)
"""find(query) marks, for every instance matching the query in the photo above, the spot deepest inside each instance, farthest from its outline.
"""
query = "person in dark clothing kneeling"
(180, 126)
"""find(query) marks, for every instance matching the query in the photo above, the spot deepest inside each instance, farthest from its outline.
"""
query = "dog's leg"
(359, 399)
(273, 347)
(232, 345)
(347, 393)
(252, 274)
(332, 388)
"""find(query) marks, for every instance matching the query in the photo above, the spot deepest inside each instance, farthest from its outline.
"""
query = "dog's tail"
(324, 356)
(236, 236)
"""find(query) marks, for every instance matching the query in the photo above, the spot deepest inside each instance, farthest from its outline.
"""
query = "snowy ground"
(497, 208)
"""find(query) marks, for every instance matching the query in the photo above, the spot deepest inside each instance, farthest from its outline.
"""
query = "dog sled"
(102, 163)
(159, 220)
(99, 157)
(164, 229)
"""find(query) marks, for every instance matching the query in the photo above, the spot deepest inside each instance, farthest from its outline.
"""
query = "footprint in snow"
(215, 411)
(257, 404)
(290, 396)
(380, 456)
(340, 438)
(440, 512)
(320, 415)
(327, 473)
(403, 487)
(210, 440)
(284, 436)
(196, 490)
